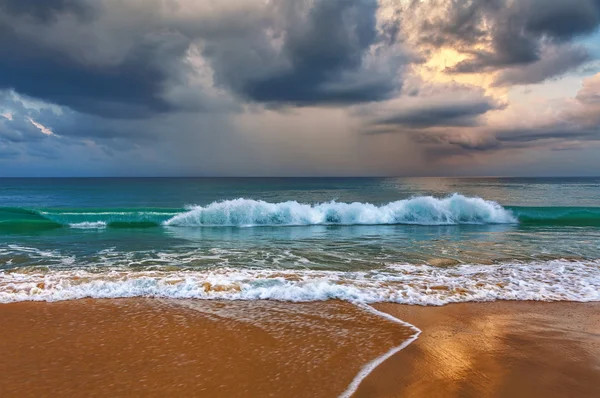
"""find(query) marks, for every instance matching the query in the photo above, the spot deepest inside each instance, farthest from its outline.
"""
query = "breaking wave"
(424, 210)
(453, 210)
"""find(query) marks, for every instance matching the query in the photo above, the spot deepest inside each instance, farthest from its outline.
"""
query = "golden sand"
(151, 347)
(501, 349)
(145, 347)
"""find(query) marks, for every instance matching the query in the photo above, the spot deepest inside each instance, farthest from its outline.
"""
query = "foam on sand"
(557, 280)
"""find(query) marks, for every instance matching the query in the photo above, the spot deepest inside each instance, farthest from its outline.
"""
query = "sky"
(299, 88)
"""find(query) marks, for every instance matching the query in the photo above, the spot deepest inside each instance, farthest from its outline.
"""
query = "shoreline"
(374, 364)
(331, 348)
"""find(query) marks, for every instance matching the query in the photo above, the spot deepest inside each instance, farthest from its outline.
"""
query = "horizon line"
(297, 177)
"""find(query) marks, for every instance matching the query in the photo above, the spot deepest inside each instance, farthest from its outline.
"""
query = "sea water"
(427, 241)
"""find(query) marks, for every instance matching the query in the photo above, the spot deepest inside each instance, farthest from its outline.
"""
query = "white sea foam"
(32, 251)
(558, 280)
(426, 210)
(107, 213)
(89, 225)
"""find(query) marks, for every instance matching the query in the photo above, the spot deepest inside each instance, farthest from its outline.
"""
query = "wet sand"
(501, 349)
(158, 348)
(151, 347)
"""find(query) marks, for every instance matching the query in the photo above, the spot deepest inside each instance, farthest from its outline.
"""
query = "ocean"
(425, 241)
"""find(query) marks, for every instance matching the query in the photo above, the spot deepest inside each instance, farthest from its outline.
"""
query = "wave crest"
(453, 210)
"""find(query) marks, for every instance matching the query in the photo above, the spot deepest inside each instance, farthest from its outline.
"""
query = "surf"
(555, 280)
(426, 210)
(455, 209)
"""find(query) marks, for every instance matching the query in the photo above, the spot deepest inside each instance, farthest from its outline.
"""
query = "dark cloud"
(316, 62)
(18, 134)
(313, 53)
(555, 138)
(84, 144)
(566, 132)
(510, 47)
(130, 85)
(467, 143)
(449, 113)
(16, 122)
(127, 60)
(20, 130)
(45, 11)
(561, 19)
(45, 132)
(557, 62)
(460, 24)
(560, 136)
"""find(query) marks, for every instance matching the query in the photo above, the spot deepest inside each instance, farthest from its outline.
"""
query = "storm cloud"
(64, 52)
(293, 87)
(122, 59)
(556, 62)
(462, 113)
(324, 47)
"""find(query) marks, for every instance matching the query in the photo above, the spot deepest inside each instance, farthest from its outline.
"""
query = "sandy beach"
(498, 349)
(152, 347)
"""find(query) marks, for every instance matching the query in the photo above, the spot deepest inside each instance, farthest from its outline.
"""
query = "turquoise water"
(421, 241)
